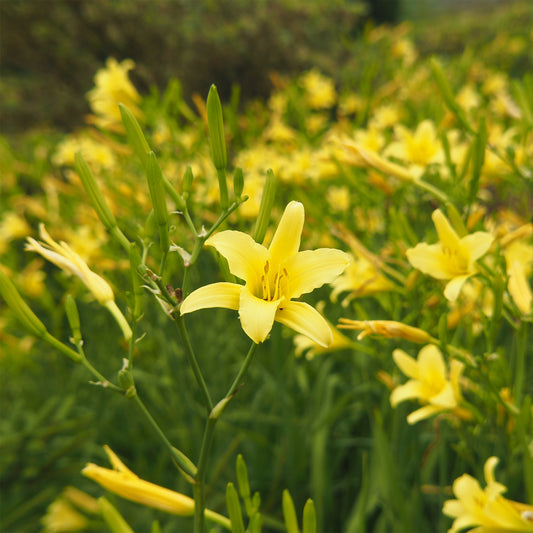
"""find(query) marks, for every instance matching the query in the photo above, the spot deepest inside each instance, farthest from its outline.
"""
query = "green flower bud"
(112, 517)
(309, 521)
(234, 509)
(157, 193)
(125, 379)
(23, 313)
(73, 318)
(238, 182)
(243, 483)
(135, 135)
(289, 513)
(215, 122)
(267, 202)
(186, 182)
(95, 195)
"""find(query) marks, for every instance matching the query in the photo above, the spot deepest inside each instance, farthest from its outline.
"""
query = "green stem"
(214, 415)
(433, 190)
(244, 368)
(193, 362)
(180, 458)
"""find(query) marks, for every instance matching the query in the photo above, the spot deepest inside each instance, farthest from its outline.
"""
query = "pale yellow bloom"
(112, 87)
(361, 278)
(417, 149)
(273, 276)
(63, 256)
(386, 116)
(98, 155)
(338, 198)
(389, 329)
(486, 509)
(319, 90)
(519, 259)
(430, 383)
(62, 517)
(452, 258)
(123, 482)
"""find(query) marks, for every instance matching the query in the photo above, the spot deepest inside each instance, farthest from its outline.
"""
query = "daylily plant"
(453, 258)
(273, 276)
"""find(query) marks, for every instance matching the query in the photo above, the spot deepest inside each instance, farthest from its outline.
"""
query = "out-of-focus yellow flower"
(390, 329)
(486, 509)
(361, 278)
(311, 349)
(350, 104)
(430, 383)
(113, 86)
(123, 482)
(12, 226)
(386, 116)
(495, 82)
(98, 155)
(468, 98)
(63, 256)
(370, 138)
(278, 131)
(273, 276)
(417, 149)
(320, 91)
(62, 517)
(452, 258)
(338, 198)
(519, 259)
(405, 50)
(316, 123)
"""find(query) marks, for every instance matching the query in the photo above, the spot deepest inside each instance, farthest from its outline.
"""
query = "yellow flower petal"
(246, 258)
(286, 240)
(453, 287)
(429, 259)
(477, 243)
(311, 269)
(410, 390)
(431, 364)
(406, 364)
(221, 294)
(257, 316)
(447, 235)
(422, 413)
(306, 320)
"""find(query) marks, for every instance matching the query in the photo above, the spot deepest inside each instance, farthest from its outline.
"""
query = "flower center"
(274, 286)
(457, 261)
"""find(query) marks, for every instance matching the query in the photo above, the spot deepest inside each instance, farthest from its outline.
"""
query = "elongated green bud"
(73, 318)
(112, 517)
(135, 135)
(95, 194)
(309, 521)
(185, 464)
(238, 182)
(289, 513)
(21, 309)
(186, 182)
(215, 122)
(157, 193)
(267, 202)
(234, 509)
(243, 483)
(456, 220)
(447, 93)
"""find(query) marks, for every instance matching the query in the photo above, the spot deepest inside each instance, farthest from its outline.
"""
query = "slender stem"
(199, 487)
(244, 368)
(193, 362)
(184, 464)
(433, 190)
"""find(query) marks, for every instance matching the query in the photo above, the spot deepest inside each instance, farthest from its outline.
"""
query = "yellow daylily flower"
(273, 276)
(452, 258)
(486, 509)
(63, 256)
(123, 482)
(429, 383)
